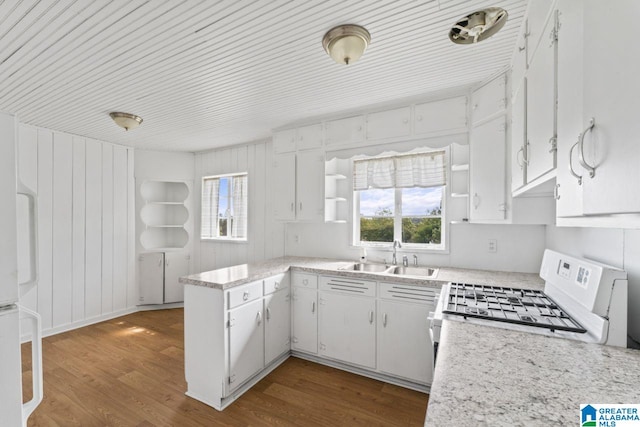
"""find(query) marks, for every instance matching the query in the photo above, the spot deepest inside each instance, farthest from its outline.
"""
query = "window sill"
(406, 249)
(222, 240)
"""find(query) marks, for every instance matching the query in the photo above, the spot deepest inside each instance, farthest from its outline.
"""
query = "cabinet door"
(519, 61)
(518, 138)
(536, 17)
(284, 187)
(439, 116)
(389, 124)
(246, 342)
(570, 108)
(310, 186)
(404, 346)
(487, 171)
(489, 99)
(176, 265)
(8, 244)
(346, 328)
(305, 320)
(310, 137)
(344, 131)
(151, 278)
(277, 327)
(611, 87)
(541, 107)
(284, 141)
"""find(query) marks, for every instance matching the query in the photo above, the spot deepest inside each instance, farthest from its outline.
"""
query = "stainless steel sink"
(415, 271)
(370, 268)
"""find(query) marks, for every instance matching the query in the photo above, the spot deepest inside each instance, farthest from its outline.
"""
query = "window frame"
(219, 238)
(442, 248)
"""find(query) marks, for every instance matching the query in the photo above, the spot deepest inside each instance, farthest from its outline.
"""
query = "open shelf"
(460, 167)
(457, 195)
(164, 215)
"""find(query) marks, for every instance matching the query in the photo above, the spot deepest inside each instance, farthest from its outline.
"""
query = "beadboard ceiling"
(205, 74)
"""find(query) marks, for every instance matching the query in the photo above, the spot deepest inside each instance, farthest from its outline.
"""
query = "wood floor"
(130, 372)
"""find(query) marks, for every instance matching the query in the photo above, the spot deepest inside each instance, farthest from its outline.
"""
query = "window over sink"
(400, 198)
(224, 207)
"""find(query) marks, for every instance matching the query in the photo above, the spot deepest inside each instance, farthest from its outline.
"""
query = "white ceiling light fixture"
(126, 120)
(478, 26)
(345, 44)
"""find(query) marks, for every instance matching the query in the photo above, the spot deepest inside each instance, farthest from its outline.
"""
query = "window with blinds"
(224, 207)
(400, 198)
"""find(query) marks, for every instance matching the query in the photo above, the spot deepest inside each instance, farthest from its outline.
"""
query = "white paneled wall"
(265, 237)
(85, 195)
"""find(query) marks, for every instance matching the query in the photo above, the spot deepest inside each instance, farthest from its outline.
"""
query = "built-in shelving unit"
(459, 209)
(336, 189)
(164, 215)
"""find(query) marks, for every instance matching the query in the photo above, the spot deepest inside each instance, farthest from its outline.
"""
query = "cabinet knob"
(245, 296)
(276, 285)
(305, 281)
(405, 121)
(419, 118)
(359, 128)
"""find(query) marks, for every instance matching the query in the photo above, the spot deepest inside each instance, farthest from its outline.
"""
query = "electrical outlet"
(493, 245)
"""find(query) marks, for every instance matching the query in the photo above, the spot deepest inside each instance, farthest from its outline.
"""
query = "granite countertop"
(226, 278)
(488, 376)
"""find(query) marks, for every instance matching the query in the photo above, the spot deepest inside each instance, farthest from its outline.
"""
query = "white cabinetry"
(246, 342)
(284, 141)
(347, 131)
(304, 329)
(487, 180)
(303, 138)
(489, 99)
(163, 214)
(346, 324)
(439, 116)
(233, 338)
(404, 347)
(518, 137)
(389, 124)
(298, 186)
(159, 274)
(597, 79)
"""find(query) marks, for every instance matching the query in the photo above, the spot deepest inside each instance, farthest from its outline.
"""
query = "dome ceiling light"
(126, 120)
(345, 44)
(478, 26)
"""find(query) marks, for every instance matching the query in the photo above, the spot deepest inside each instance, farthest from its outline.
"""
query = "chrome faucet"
(405, 261)
(396, 245)
(415, 260)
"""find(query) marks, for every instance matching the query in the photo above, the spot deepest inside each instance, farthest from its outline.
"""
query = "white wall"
(85, 229)
(520, 247)
(617, 247)
(265, 237)
(164, 165)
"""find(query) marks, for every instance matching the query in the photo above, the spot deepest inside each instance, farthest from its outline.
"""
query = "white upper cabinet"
(518, 138)
(284, 187)
(489, 99)
(389, 124)
(439, 116)
(487, 171)
(310, 186)
(284, 141)
(538, 13)
(519, 61)
(570, 105)
(310, 137)
(541, 105)
(344, 131)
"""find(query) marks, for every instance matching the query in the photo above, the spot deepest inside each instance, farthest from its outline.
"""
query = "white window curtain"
(210, 191)
(239, 200)
(412, 170)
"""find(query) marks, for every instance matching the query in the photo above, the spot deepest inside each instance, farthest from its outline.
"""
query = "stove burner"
(480, 311)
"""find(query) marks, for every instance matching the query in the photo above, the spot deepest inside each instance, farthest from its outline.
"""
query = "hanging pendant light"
(345, 44)
(126, 120)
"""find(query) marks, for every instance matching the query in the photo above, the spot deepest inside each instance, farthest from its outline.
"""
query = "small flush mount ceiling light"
(126, 120)
(346, 43)
(478, 26)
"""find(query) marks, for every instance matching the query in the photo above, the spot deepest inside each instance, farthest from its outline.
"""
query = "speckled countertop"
(489, 376)
(225, 278)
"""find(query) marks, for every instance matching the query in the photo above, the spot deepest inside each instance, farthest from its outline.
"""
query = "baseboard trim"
(160, 306)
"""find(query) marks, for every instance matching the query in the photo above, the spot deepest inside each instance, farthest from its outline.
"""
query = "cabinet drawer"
(304, 280)
(244, 294)
(348, 285)
(408, 293)
(272, 284)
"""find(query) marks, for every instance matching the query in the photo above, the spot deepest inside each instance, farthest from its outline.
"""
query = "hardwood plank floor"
(129, 371)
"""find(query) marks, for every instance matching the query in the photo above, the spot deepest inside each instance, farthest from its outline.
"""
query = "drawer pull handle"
(313, 307)
(384, 320)
(371, 317)
(259, 317)
(245, 296)
(268, 313)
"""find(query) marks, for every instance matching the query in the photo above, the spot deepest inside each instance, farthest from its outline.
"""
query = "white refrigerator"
(13, 412)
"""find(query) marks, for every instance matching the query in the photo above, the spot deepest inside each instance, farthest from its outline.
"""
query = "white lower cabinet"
(404, 347)
(304, 325)
(277, 326)
(246, 342)
(346, 328)
(159, 274)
